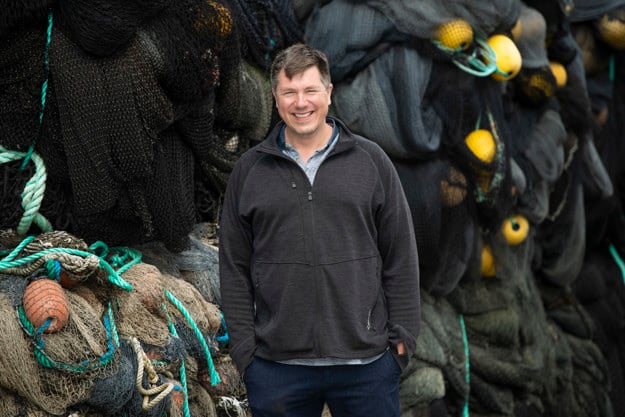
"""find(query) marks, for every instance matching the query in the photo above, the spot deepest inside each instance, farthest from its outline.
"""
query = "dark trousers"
(280, 390)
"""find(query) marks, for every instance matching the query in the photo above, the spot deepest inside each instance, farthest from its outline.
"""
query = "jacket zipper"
(309, 197)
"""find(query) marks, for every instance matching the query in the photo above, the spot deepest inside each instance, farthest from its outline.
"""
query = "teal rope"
(225, 338)
(113, 276)
(211, 367)
(112, 341)
(54, 269)
(467, 375)
(612, 68)
(618, 260)
(498, 176)
(19, 248)
(183, 371)
(478, 122)
(120, 257)
(481, 62)
(32, 195)
(44, 88)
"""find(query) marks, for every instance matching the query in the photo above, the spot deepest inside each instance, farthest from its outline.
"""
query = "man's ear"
(275, 99)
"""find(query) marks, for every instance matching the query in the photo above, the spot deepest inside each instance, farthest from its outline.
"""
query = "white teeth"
(301, 115)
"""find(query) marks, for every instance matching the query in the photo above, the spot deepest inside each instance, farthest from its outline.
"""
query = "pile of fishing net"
(95, 331)
(138, 110)
(501, 228)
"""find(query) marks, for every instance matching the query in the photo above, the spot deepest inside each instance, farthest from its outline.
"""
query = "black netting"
(266, 26)
(22, 13)
(103, 27)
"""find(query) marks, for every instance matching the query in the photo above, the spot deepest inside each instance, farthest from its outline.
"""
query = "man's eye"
(288, 94)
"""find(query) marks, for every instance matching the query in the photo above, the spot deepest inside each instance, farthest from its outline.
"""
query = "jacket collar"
(345, 141)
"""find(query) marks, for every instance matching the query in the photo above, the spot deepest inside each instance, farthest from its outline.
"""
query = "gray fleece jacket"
(329, 270)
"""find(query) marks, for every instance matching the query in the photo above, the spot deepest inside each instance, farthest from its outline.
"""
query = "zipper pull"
(310, 196)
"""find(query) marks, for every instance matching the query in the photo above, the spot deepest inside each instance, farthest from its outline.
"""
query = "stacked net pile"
(95, 331)
(137, 109)
(498, 158)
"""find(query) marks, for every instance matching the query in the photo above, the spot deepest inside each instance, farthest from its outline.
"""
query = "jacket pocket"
(284, 296)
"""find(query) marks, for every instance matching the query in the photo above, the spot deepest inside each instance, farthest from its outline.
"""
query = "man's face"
(302, 103)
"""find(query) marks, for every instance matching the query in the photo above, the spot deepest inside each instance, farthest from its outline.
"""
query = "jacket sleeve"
(400, 263)
(235, 253)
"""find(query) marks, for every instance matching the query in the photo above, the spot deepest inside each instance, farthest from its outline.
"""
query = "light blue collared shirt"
(311, 166)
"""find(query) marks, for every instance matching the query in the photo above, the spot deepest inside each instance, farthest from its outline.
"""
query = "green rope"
(113, 276)
(481, 62)
(53, 267)
(19, 248)
(211, 367)
(499, 174)
(32, 195)
(112, 341)
(44, 88)
(478, 122)
(183, 372)
(467, 374)
(618, 260)
(612, 68)
(120, 257)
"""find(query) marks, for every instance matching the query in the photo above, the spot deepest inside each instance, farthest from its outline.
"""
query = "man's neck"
(307, 146)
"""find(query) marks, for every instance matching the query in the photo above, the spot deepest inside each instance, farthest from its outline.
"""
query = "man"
(318, 260)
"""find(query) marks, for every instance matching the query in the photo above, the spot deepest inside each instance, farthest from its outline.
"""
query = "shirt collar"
(285, 146)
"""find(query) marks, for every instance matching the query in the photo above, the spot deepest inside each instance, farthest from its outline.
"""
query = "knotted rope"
(144, 364)
(32, 196)
(72, 263)
(481, 61)
(18, 267)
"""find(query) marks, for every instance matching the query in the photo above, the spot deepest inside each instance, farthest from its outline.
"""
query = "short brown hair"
(298, 58)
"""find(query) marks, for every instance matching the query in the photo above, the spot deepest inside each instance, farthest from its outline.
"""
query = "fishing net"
(53, 379)
(592, 9)
(535, 83)
(18, 14)
(245, 104)
(531, 41)
(199, 265)
(440, 346)
(539, 147)
(118, 350)
(140, 313)
(122, 155)
(21, 76)
(186, 37)
(303, 8)
(104, 27)
(557, 18)
(266, 27)
(361, 43)
(422, 19)
(562, 235)
(12, 405)
(440, 203)
(384, 102)
(451, 93)
(111, 157)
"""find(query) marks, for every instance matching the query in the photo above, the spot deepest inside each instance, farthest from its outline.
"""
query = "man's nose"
(300, 99)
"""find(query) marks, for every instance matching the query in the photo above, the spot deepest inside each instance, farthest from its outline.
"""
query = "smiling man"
(318, 260)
